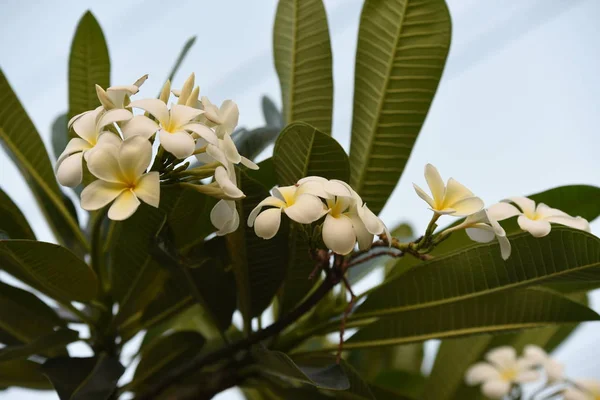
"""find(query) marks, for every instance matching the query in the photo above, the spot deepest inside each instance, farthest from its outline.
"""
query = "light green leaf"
(89, 65)
(13, 224)
(302, 54)
(50, 344)
(23, 373)
(402, 50)
(182, 54)
(25, 147)
(50, 268)
(271, 113)
(302, 151)
(496, 312)
(564, 255)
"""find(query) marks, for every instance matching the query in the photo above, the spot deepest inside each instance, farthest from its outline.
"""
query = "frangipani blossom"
(535, 220)
(188, 95)
(584, 389)
(226, 179)
(483, 228)
(500, 372)
(122, 177)
(90, 129)
(225, 217)
(224, 151)
(224, 118)
(537, 355)
(453, 198)
(298, 202)
(174, 126)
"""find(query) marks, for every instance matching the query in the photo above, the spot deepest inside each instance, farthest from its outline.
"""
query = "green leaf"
(271, 113)
(402, 382)
(89, 65)
(182, 54)
(401, 53)
(302, 151)
(91, 378)
(518, 309)
(50, 268)
(372, 362)
(13, 223)
(60, 135)
(565, 255)
(265, 175)
(51, 344)
(25, 147)
(302, 54)
(258, 264)
(23, 373)
(165, 353)
(24, 316)
(251, 143)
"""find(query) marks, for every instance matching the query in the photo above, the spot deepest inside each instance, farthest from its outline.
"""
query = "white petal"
(543, 211)
(124, 206)
(204, 132)
(147, 188)
(501, 211)
(526, 205)
(363, 236)
(286, 193)
(157, 108)
(467, 206)
(306, 209)
(502, 357)
(269, 201)
(217, 154)
(224, 216)
(424, 195)
(229, 187)
(75, 145)
(481, 372)
(267, 223)
(108, 139)
(115, 115)
(338, 234)
(181, 115)
(211, 111)
(103, 164)
(229, 115)
(139, 125)
(527, 376)
(70, 170)
(455, 191)
(505, 247)
(481, 233)
(128, 89)
(373, 224)
(554, 370)
(249, 163)
(535, 354)
(76, 117)
(314, 187)
(135, 155)
(226, 144)
(85, 126)
(180, 144)
(591, 385)
(573, 222)
(496, 389)
(186, 89)
(435, 183)
(575, 394)
(140, 81)
(99, 193)
(538, 228)
(337, 188)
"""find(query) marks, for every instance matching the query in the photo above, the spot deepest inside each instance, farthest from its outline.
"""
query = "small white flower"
(453, 198)
(224, 216)
(122, 177)
(223, 151)
(502, 370)
(188, 95)
(90, 129)
(584, 389)
(298, 202)
(537, 355)
(483, 228)
(226, 179)
(174, 126)
(535, 220)
(224, 118)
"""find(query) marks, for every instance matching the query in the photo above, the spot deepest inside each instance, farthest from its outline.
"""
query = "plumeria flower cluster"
(503, 371)
(346, 218)
(115, 144)
(481, 224)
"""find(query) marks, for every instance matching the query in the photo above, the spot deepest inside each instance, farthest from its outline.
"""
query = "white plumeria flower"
(535, 220)
(174, 126)
(502, 370)
(348, 219)
(226, 179)
(122, 177)
(188, 95)
(90, 129)
(224, 118)
(224, 151)
(453, 198)
(483, 228)
(537, 355)
(224, 216)
(299, 202)
(585, 389)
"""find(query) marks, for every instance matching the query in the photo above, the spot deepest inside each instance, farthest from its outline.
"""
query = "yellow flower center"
(337, 207)
(508, 374)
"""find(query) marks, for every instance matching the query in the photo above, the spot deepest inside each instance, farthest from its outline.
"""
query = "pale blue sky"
(516, 111)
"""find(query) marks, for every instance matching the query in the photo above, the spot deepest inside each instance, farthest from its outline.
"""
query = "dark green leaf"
(401, 53)
(302, 54)
(25, 147)
(402, 382)
(251, 143)
(265, 175)
(91, 378)
(271, 113)
(50, 268)
(23, 373)
(46, 345)
(13, 224)
(60, 135)
(372, 362)
(89, 65)
(182, 54)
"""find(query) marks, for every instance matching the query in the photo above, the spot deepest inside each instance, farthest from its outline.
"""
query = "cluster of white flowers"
(481, 224)
(116, 146)
(503, 370)
(347, 221)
